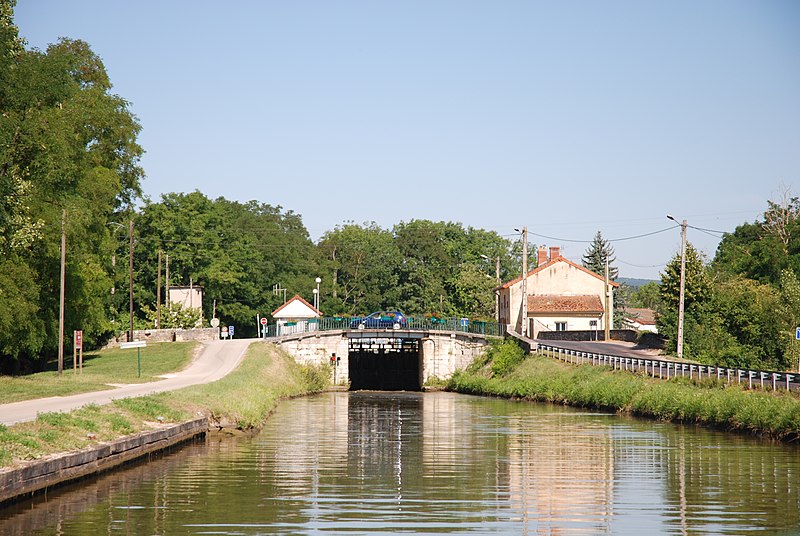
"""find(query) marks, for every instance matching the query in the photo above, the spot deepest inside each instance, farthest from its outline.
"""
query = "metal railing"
(463, 325)
(659, 368)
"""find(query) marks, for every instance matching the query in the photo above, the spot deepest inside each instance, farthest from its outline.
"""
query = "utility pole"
(158, 293)
(524, 281)
(166, 290)
(61, 292)
(497, 290)
(130, 270)
(683, 225)
(607, 320)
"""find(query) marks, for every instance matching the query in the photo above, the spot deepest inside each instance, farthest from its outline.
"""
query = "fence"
(659, 368)
(463, 325)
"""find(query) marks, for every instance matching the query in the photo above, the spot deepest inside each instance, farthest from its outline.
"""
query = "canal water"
(438, 463)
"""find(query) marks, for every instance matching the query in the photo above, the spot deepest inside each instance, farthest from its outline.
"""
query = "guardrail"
(491, 329)
(659, 368)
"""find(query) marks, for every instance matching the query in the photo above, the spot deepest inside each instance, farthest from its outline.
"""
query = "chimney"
(555, 252)
(542, 256)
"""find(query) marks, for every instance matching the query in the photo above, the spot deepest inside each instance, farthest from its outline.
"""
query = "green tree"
(697, 291)
(234, 251)
(763, 249)
(362, 263)
(598, 252)
(647, 296)
(67, 146)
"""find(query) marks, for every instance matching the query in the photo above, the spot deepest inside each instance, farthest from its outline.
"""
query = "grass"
(100, 369)
(709, 403)
(244, 398)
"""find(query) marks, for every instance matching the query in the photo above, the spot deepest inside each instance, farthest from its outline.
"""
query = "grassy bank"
(709, 403)
(244, 399)
(100, 369)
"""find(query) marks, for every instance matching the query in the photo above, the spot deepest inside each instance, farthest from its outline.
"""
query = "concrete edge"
(33, 477)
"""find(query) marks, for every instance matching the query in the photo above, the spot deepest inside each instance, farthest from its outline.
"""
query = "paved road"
(608, 348)
(216, 359)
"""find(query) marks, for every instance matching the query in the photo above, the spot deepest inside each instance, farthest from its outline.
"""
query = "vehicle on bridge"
(381, 320)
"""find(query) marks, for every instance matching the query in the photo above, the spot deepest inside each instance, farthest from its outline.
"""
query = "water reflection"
(435, 463)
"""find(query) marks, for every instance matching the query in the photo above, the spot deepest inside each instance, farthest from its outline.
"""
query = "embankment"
(709, 403)
(61, 447)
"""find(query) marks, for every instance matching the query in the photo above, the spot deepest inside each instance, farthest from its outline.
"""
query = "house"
(562, 296)
(295, 316)
(190, 297)
(641, 319)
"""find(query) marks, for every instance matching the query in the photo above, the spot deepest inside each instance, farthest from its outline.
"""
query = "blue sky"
(568, 117)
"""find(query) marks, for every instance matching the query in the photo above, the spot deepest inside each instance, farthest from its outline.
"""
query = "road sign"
(134, 344)
(230, 331)
(215, 322)
(797, 335)
(263, 320)
(79, 339)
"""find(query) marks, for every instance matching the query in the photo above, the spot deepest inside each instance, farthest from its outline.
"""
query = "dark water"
(366, 463)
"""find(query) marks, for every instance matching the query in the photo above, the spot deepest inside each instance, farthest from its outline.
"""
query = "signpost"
(230, 331)
(224, 332)
(264, 326)
(138, 345)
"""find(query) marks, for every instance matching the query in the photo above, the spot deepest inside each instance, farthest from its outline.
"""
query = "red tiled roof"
(641, 315)
(564, 304)
(551, 263)
(297, 297)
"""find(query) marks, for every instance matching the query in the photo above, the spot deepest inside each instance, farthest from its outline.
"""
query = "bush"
(504, 356)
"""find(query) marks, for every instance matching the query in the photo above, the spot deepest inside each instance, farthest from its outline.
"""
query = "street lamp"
(496, 290)
(524, 321)
(316, 293)
(683, 225)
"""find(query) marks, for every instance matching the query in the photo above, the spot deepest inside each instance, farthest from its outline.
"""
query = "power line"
(609, 240)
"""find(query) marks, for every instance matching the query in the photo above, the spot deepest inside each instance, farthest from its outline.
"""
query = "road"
(610, 348)
(216, 359)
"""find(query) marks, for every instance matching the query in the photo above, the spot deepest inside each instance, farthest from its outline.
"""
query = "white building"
(562, 296)
(294, 315)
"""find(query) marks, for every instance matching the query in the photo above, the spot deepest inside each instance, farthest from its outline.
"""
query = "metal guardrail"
(491, 329)
(658, 368)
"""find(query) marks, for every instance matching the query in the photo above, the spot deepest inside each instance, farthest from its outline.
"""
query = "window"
(561, 326)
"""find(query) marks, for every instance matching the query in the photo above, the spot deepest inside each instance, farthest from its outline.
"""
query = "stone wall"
(169, 335)
(627, 335)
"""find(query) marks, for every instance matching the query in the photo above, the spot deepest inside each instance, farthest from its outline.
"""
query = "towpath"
(216, 359)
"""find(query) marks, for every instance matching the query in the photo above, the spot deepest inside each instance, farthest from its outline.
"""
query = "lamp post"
(316, 293)
(497, 283)
(524, 321)
(683, 225)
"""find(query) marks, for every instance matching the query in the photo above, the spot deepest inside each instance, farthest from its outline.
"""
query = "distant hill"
(635, 283)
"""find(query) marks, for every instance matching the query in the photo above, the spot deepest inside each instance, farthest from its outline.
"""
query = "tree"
(67, 145)
(362, 261)
(647, 296)
(598, 252)
(235, 251)
(697, 290)
(763, 249)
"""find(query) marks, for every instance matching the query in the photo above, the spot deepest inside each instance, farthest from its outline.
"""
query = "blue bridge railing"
(464, 325)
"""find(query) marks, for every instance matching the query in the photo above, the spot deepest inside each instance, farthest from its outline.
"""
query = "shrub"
(505, 356)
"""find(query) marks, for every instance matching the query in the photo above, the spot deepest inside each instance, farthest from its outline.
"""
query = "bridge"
(387, 359)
